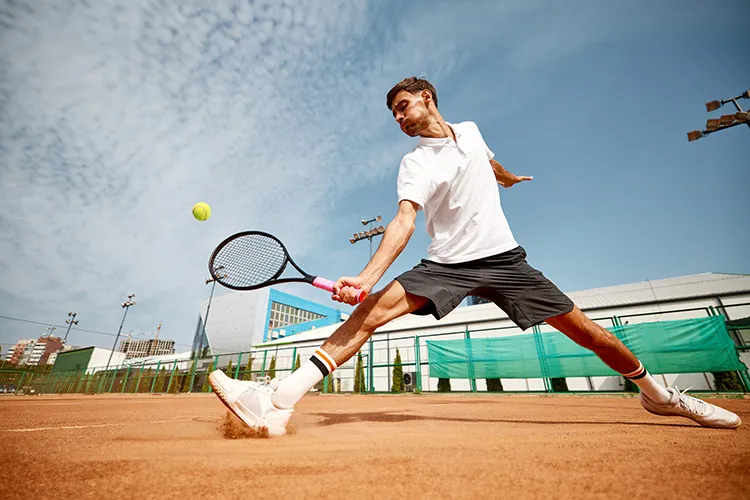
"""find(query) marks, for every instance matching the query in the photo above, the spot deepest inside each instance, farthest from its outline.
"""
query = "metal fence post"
(215, 367)
(156, 375)
(192, 374)
(370, 368)
(237, 368)
(81, 377)
(125, 382)
(171, 375)
(114, 376)
(418, 363)
(467, 344)
(542, 358)
(140, 376)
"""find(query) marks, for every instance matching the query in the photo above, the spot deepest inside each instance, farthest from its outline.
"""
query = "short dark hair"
(411, 85)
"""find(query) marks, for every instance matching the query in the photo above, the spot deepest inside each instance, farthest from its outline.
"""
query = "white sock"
(646, 383)
(299, 383)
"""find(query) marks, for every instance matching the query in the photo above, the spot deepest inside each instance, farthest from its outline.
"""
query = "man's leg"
(654, 397)
(584, 332)
(376, 310)
(270, 404)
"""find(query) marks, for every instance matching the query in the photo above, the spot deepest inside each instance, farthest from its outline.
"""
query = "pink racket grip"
(325, 284)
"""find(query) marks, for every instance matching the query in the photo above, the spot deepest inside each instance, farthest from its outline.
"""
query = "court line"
(62, 427)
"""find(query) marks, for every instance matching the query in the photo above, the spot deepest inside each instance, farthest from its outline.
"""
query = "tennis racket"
(253, 259)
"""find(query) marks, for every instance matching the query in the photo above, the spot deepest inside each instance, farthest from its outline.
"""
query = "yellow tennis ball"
(201, 211)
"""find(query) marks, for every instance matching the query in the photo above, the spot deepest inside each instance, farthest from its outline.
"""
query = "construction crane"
(155, 343)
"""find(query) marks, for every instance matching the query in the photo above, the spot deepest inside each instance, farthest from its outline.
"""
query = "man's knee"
(384, 306)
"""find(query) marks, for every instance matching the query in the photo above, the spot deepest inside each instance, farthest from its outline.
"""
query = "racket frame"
(274, 280)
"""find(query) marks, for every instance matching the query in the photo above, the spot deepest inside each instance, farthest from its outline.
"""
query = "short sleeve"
(413, 182)
(490, 154)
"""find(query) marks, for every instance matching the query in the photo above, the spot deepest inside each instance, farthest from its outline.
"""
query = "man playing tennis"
(452, 176)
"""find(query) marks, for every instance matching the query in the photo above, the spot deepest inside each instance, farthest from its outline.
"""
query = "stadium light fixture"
(712, 124)
(725, 121)
(370, 233)
(694, 135)
(713, 105)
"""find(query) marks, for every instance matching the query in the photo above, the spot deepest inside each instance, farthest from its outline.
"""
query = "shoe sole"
(219, 391)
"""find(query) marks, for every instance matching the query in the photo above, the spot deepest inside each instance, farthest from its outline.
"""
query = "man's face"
(411, 112)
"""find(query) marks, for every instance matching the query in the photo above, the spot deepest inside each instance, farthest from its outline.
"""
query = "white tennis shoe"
(682, 405)
(251, 402)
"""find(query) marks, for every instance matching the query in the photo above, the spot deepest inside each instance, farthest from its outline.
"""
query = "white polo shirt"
(454, 183)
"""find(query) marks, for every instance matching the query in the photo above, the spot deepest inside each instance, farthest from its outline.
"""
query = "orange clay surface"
(354, 447)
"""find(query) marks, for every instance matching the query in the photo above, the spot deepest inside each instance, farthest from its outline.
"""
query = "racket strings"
(249, 260)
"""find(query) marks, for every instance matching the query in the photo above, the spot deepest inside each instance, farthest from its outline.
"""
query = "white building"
(182, 361)
(236, 320)
(88, 359)
(16, 351)
(146, 347)
(684, 297)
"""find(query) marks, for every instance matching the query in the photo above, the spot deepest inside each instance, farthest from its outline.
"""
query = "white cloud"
(118, 118)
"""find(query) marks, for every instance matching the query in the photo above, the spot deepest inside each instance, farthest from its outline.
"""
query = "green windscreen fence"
(685, 346)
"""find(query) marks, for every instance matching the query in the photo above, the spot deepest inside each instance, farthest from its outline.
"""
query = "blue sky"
(115, 120)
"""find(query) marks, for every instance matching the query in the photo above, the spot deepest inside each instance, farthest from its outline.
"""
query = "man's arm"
(394, 241)
(505, 178)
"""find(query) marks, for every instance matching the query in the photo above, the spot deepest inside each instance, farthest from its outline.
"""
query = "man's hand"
(507, 182)
(505, 178)
(344, 289)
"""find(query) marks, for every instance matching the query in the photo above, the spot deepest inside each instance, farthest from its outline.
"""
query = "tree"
(228, 369)
(359, 375)
(559, 384)
(272, 368)
(206, 386)
(190, 375)
(727, 381)
(629, 386)
(146, 380)
(160, 379)
(297, 364)
(247, 373)
(444, 385)
(398, 374)
(174, 383)
(494, 385)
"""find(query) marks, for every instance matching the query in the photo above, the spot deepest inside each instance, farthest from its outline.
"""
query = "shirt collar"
(436, 142)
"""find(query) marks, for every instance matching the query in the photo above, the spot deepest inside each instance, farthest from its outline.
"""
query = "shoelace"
(689, 403)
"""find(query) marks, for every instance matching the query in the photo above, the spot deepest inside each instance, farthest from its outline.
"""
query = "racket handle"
(325, 284)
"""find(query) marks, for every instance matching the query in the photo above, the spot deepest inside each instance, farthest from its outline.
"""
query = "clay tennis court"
(351, 446)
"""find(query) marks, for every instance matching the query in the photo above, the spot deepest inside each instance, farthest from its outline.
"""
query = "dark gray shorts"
(524, 293)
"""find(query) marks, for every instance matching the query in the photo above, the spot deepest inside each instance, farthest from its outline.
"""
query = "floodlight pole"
(71, 321)
(726, 121)
(125, 305)
(208, 308)
(370, 233)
